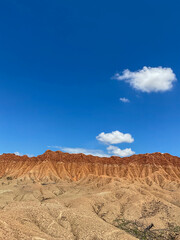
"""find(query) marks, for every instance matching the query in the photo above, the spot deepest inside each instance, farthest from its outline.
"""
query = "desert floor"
(94, 208)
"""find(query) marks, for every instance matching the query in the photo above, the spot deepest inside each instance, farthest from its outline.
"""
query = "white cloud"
(118, 152)
(93, 152)
(125, 100)
(148, 79)
(115, 137)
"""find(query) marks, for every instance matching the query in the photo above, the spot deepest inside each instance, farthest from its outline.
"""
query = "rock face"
(155, 167)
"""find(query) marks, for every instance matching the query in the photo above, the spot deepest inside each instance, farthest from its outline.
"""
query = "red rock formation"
(58, 165)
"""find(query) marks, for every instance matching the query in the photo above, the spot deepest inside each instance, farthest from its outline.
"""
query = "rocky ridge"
(155, 167)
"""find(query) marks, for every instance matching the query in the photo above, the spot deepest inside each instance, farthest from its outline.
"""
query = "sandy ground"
(94, 208)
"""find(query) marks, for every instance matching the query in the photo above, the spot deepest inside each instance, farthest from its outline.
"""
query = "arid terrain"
(65, 196)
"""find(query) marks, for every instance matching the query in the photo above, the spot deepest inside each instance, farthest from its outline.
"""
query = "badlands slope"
(65, 196)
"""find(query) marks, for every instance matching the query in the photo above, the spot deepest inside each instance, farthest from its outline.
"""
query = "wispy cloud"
(115, 137)
(149, 79)
(21, 154)
(113, 150)
(124, 100)
(93, 152)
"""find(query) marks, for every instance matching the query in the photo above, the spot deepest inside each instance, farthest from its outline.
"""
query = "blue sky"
(61, 75)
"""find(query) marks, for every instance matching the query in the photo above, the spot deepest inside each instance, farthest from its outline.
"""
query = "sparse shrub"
(139, 231)
(9, 178)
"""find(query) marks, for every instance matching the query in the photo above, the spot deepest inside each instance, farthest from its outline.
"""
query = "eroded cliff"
(58, 165)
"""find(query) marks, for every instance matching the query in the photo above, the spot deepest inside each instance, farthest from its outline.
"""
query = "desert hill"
(61, 196)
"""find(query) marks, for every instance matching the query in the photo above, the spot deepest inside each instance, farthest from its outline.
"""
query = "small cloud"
(93, 152)
(124, 100)
(115, 137)
(149, 79)
(118, 152)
